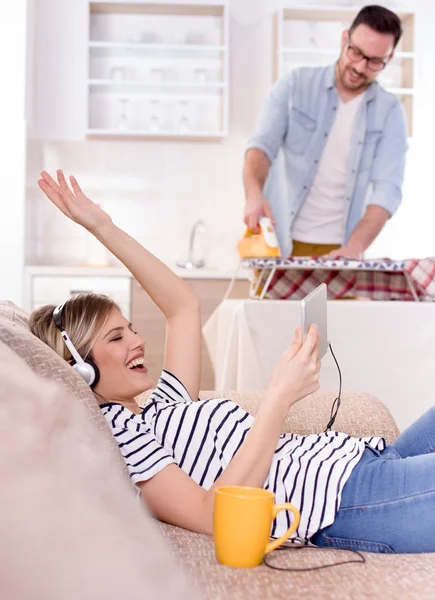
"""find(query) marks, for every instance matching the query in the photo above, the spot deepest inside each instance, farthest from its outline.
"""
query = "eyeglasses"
(374, 63)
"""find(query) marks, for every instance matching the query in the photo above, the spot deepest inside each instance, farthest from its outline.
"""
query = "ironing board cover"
(376, 279)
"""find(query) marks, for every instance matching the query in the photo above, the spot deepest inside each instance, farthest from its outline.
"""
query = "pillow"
(74, 528)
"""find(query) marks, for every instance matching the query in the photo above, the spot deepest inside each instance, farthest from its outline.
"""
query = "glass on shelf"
(196, 38)
(154, 123)
(122, 123)
(201, 115)
(179, 38)
(312, 33)
(170, 74)
(183, 125)
(147, 37)
(156, 74)
(200, 75)
(118, 73)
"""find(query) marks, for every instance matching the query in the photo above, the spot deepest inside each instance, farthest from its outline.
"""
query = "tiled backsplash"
(155, 191)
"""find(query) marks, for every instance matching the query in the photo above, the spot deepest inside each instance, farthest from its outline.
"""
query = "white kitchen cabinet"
(158, 69)
(59, 92)
(54, 285)
(129, 69)
(310, 36)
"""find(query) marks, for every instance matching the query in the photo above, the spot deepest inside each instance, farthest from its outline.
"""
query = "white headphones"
(84, 367)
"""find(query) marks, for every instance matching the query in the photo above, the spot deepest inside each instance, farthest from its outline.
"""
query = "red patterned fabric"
(364, 281)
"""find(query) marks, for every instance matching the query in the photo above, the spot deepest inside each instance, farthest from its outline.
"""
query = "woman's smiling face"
(119, 354)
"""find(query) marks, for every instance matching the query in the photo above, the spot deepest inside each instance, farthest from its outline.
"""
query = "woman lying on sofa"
(352, 493)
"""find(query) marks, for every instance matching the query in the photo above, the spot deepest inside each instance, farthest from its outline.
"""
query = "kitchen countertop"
(112, 271)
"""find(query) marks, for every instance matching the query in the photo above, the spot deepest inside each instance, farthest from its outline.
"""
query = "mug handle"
(296, 518)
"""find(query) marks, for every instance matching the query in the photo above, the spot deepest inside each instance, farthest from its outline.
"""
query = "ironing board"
(376, 279)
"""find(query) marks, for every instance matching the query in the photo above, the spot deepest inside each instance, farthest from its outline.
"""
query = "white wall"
(156, 190)
(12, 149)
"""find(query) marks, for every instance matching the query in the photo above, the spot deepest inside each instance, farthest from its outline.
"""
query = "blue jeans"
(388, 502)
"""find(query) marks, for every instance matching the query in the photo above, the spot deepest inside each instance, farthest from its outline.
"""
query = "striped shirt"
(202, 437)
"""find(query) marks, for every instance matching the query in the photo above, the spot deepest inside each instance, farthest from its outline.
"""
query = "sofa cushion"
(14, 332)
(74, 528)
(386, 576)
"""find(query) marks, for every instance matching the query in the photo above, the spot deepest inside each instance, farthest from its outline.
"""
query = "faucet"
(190, 263)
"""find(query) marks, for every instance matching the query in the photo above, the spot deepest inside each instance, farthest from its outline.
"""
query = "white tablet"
(314, 310)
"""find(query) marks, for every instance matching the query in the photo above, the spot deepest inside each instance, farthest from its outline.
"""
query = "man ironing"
(327, 160)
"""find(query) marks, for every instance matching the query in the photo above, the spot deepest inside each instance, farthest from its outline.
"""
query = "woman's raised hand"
(73, 202)
(297, 373)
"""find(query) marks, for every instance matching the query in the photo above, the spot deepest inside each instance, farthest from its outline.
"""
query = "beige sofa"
(75, 528)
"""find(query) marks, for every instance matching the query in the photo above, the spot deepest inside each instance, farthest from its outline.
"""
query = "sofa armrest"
(360, 414)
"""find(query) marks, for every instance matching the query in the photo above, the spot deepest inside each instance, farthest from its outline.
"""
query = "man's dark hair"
(380, 19)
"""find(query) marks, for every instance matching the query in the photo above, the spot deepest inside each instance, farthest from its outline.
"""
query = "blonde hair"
(83, 317)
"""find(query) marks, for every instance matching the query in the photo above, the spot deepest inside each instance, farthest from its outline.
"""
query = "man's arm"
(262, 150)
(387, 179)
(364, 233)
(255, 173)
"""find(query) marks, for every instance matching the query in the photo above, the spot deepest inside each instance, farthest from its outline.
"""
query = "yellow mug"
(241, 525)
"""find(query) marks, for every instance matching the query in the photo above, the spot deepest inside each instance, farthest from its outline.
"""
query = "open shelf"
(136, 87)
(138, 134)
(121, 49)
(170, 54)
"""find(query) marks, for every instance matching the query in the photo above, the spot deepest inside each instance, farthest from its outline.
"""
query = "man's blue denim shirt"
(292, 132)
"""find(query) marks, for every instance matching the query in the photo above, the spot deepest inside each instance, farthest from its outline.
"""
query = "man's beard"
(364, 81)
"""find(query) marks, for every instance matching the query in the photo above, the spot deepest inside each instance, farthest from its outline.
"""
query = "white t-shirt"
(322, 217)
(202, 437)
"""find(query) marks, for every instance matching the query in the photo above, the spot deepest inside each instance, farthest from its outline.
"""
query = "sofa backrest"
(74, 526)
(15, 333)
(360, 414)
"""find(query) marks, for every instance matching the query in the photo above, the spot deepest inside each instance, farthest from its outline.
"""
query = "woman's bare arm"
(175, 498)
(172, 295)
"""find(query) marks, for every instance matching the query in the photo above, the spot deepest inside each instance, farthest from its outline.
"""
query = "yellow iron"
(259, 245)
